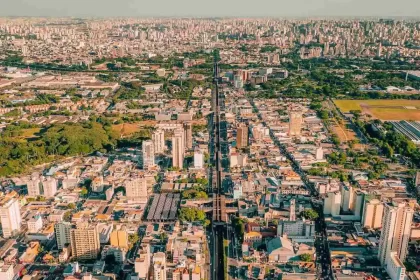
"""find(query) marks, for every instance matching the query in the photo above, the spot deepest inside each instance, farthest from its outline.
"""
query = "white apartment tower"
(10, 217)
(62, 234)
(49, 185)
(158, 139)
(178, 149)
(148, 152)
(396, 229)
(372, 213)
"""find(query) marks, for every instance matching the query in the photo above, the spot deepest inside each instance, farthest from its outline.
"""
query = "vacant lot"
(383, 109)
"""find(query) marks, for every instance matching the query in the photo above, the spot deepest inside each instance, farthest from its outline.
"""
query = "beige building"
(242, 136)
(148, 153)
(188, 135)
(395, 234)
(136, 187)
(158, 139)
(295, 123)
(62, 234)
(85, 243)
(119, 238)
(178, 150)
(372, 213)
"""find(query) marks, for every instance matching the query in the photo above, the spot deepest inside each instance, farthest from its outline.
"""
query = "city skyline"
(217, 8)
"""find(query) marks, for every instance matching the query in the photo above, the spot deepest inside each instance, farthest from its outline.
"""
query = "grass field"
(383, 109)
(343, 133)
(126, 129)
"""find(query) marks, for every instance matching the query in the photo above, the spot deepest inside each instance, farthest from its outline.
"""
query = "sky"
(210, 8)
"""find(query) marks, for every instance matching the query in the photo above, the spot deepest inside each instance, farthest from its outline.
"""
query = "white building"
(198, 159)
(372, 214)
(6, 272)
(346, 197)
(357, 205)
(395, 268)
(299, 231)
(332, 204)
(35, 224)
(148, 153)
(396, 229)
(10, 218)
(62, 234)
(49, 186)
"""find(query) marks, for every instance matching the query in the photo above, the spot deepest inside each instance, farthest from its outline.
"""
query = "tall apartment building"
(49, 185)
(178, 149)
(62, 234)
(10, 218)
(158, 139)
(159, 266)
(6, 272)
(295, 123)
(34, 186)
(148, 153)
(332, 204)
(188, 135)
(396, 229)
(85, 244)
(136, 187)
(372, 213)
(242, 136)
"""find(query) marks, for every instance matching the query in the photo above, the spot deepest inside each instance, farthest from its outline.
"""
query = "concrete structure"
(242, 136)
(346, 197)
(49, 186)
(158, 139)
(396, 228)
(372, 213)
(198, 159)
(292, 216)
(136, 188)
(97, 184)
(85, 244)
(178, 150)
(10, 218)
(332, 204)
(395, 268)
(159, 266)
(6, 272)
(295, 123)
(299, 231)
(358, 201)
(148, 153)
(188, 135)
(62, 234)
(35, 224)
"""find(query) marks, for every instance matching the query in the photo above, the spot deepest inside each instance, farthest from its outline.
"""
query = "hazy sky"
(207, 8)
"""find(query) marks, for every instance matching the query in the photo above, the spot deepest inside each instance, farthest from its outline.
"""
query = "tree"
(84, 191)
(305, 257)
(133, 239)
(71, 206)
(67, 216)
(309, 214)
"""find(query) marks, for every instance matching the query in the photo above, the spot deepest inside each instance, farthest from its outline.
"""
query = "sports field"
(401, 109)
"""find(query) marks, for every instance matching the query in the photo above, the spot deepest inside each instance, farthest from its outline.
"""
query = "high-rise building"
(242, 136)
(34, 185)
(358, 202)
(396, 229)
(136, 187)
(178, 149)
(372, 213)
(198, 159)
(346, 197)
(148, 153)
(10, 217)
(295, 123)
(85, 244)
(62, 234)
(158, 139)
(332, 204)
(188, 135)
(159, 266)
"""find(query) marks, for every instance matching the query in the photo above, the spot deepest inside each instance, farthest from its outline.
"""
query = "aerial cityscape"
(209, 148)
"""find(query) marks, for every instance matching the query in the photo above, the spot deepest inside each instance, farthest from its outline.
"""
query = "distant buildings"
(158, 139)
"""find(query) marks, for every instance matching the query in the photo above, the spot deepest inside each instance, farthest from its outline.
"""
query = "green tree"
(309, 214)
(305, 257)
